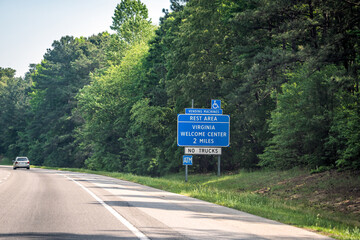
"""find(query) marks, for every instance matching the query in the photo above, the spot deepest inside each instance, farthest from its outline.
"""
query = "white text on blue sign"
(203, 111)
(203, 130)
(187, 160)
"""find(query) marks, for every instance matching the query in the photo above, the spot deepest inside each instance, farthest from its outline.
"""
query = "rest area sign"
(203, 130)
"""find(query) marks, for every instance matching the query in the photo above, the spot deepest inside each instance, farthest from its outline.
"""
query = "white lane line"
(131, 227)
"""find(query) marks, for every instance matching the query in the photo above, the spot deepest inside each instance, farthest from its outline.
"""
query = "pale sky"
(29, 27)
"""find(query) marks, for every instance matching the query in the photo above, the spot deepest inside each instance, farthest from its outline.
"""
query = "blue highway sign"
(203, 111)
(187, 160)
(216, 104)
(203, 130)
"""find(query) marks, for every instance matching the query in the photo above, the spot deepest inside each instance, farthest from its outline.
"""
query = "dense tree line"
(287, 72)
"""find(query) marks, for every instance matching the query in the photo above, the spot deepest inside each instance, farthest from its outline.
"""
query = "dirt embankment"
(331, 190)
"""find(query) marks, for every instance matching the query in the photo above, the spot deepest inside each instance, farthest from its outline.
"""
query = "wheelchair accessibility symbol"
(215, 104)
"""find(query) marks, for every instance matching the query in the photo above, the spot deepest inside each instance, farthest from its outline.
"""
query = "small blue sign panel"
(203, 130)
(187, 160)
(215, 104)
(203, 111)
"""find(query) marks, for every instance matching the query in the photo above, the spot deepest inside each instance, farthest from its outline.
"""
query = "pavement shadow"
(58, 236)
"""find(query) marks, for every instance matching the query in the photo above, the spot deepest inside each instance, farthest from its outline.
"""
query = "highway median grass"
(295, 197)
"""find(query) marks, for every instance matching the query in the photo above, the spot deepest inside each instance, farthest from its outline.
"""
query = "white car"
(21, 162)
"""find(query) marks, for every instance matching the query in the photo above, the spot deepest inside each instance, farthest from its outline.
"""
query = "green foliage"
(301, 121)
(130, 22)
(13, 115)
(286, 71)
(48, 137)
(105, 105)
(146, 134)
(345, 131)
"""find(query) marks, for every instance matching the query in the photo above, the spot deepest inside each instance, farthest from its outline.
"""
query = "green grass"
(263, 193)
(5, 161)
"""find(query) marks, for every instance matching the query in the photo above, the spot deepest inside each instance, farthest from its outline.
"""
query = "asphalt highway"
(48, 204)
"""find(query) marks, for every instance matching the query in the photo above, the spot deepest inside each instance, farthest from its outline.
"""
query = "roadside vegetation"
(287, 73)
(326, 202)
(5, 161)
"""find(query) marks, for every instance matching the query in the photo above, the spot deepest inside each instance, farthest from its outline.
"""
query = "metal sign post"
(187, 160)
(218, 173)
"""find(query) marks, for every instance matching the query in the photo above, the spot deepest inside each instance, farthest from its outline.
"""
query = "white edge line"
(131, 227)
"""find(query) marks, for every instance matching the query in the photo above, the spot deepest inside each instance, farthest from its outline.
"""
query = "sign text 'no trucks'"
(202, 150)
(203, 130)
